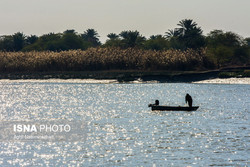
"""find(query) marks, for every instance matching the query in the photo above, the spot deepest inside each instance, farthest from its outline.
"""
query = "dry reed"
(102, 59)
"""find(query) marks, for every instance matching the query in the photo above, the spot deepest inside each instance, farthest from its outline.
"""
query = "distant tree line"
(68, 40)
(223, 48)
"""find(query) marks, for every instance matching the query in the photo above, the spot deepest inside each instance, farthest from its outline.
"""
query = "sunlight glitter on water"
(91, 81)
(123, 131)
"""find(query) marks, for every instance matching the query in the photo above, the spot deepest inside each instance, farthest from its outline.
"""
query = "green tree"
(91, 36)
(7, 43)
(229, 39)
(131, 39)
(188, 35)
(49, 41)
(227, 48)
(172, 33)
(113, 41)
(31, 39)
(186, 26)
(173, 38)
(112, 36)
(70, 40)
(19, 41)
(156, 42)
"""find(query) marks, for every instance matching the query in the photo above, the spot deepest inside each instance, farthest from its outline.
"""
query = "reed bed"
(94, 59)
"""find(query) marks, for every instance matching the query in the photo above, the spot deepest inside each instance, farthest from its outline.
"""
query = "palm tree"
(189, 35)
(172, 33)
(112, 36)
(113, 41)
(131, 38)
(91, 36)
(187, 25)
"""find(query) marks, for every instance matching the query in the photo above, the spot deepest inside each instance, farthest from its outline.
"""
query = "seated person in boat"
(156, 103)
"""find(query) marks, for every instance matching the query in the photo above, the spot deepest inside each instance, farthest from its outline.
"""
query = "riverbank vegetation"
(183, 48)
(109, 58)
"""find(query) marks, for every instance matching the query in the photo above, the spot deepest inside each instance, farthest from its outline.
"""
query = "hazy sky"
(149, 17)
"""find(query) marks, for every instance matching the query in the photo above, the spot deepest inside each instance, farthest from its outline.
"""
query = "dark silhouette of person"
(189, 99)
(156, 103)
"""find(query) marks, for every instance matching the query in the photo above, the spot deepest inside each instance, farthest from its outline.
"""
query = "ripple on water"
(121, 129)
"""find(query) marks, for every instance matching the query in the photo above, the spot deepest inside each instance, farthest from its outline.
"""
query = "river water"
(122, 131)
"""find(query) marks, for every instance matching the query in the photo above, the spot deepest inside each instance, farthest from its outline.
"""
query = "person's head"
(157, 102)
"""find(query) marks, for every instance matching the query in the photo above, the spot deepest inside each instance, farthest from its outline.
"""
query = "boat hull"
(173, 108)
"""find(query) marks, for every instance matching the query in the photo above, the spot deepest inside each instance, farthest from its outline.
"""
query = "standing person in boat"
(189, 99)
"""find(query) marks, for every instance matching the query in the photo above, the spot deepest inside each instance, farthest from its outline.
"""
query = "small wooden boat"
(172, 108)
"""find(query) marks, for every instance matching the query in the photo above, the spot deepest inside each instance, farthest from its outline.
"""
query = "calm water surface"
(122, 131)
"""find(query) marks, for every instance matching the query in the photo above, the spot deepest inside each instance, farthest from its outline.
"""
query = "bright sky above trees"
(149, 17)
